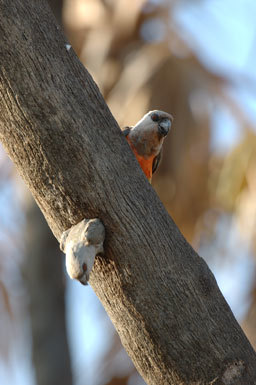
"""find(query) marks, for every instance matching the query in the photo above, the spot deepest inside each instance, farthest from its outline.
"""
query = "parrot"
(146, 139)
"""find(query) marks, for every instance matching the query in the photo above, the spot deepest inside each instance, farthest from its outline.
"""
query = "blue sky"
(223, 34)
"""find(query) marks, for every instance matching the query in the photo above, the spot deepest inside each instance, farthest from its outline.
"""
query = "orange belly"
(145, 163)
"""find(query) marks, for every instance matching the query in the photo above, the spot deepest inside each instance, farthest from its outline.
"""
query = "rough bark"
(57, 129)
(56, 7)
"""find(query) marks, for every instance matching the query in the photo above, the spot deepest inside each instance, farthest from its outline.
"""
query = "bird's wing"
(126, 131)
(156, 161)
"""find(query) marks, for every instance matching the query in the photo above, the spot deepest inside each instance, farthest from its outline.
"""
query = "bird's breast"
(146, 144)
(146, 162)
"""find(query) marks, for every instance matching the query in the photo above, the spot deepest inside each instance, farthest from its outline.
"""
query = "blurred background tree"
(196, 60)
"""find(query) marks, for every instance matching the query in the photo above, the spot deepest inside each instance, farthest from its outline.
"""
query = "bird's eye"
(155, 117)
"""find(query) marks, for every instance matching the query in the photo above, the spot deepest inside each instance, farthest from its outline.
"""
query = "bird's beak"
(164, 126)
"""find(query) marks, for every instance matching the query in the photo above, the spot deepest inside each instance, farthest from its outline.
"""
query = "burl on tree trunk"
(161, 296)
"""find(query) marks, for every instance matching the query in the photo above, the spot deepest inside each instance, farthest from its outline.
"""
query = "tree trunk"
(56, 7)
(57, 129)
(44, 280)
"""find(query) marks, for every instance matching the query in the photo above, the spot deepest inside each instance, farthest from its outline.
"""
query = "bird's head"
(155, 121)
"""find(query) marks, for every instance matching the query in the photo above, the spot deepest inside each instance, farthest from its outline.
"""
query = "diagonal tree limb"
(57, 129)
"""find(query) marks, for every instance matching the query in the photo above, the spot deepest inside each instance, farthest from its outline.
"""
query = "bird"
(146, 139)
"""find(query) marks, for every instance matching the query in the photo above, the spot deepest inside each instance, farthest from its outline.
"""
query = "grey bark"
(44, 280)
(56, 7)
(57, 129)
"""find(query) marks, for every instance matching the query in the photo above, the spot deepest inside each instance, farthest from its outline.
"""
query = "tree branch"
(57, 129)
